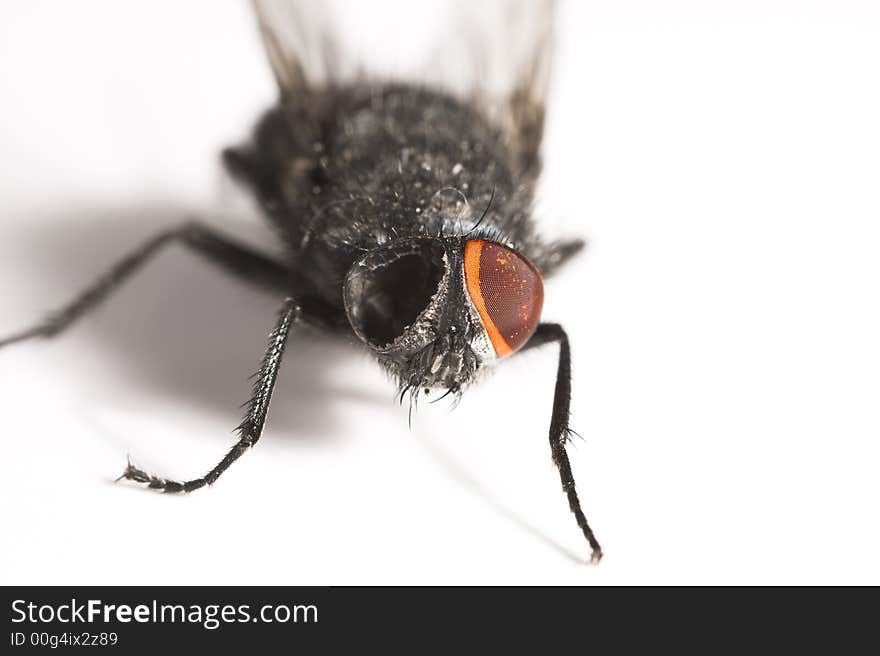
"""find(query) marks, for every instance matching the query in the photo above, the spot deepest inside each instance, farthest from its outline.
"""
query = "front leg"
(237, 259)
(559, 428)
(250, 429)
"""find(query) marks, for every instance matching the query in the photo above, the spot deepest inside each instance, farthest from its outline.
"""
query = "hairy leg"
(251, 427)
(559, 428)
(234, 258)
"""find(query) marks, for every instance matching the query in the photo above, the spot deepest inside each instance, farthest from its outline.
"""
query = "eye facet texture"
(507, 291)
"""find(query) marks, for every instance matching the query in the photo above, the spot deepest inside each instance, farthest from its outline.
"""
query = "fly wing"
(296, 35)
(495, 53)
(500, 55)
(519, 64)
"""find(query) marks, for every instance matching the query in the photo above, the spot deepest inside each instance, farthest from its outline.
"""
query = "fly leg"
(234, 258)
(251, 427)
(559, 428)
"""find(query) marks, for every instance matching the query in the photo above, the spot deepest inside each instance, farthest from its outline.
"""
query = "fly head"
(437, 310)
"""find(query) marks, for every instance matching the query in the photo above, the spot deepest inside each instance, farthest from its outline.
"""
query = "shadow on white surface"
(180, 329)
(460, 475)
(181, 333)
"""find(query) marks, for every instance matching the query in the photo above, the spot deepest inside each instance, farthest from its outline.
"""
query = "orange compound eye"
(507, 291)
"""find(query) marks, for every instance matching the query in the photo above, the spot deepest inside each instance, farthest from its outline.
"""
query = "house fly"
(405, 213)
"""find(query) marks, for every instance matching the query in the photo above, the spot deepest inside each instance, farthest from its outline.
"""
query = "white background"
(722, 158)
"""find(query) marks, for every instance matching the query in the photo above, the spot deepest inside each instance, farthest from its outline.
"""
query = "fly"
(405, 212)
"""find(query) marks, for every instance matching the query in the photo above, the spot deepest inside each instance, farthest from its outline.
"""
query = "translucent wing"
(297, 38)
(495, 52)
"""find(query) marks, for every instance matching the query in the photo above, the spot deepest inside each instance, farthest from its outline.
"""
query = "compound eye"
(507, 291)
